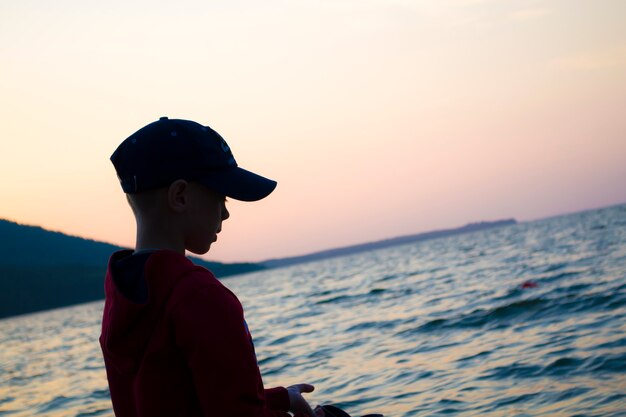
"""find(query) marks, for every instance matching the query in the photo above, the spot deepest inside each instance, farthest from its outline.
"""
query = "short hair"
(144, 202)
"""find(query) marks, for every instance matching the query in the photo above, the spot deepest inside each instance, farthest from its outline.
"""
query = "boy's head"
(176, 175)
(169, 149)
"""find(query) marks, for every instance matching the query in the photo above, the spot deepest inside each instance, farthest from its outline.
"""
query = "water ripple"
(441, 327)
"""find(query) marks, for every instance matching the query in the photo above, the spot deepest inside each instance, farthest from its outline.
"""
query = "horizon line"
(317, 251)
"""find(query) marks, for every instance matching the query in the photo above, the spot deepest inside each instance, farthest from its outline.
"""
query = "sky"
(378, 118)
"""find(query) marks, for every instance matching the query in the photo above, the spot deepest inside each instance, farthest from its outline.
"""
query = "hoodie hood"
(137, 288)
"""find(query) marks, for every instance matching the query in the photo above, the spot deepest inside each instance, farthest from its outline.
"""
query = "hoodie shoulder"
(198, 282)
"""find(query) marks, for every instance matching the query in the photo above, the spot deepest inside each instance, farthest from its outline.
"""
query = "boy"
(174, 339)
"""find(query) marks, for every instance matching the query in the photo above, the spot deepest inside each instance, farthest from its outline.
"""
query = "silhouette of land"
(363, 247)
(42, 269)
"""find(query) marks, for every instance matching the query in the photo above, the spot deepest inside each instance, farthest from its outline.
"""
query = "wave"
(564, 366)
(562, 302)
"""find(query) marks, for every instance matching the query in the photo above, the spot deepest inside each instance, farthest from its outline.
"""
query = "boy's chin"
(199, 250)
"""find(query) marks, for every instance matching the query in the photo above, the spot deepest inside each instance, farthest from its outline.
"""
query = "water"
(440, 327)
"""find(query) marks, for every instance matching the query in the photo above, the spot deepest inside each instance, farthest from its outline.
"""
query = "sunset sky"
(378, 118)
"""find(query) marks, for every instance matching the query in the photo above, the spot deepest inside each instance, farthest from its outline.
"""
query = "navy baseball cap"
(171, 149)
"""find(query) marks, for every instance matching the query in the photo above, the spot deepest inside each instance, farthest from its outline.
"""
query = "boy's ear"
(178, 196)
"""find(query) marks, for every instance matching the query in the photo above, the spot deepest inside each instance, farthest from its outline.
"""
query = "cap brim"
(239, 184)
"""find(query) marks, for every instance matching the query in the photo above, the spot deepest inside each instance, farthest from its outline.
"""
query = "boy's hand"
(297, 402)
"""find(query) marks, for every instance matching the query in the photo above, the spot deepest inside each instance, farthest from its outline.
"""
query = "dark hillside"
(41, 269)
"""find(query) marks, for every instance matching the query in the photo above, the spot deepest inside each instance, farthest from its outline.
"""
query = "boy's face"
(207, 210)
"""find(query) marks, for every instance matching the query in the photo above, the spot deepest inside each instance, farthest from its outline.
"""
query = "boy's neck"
(151, 238)
(151, 245)
(142, 251)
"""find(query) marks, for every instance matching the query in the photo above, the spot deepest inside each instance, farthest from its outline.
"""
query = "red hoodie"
(175, 342)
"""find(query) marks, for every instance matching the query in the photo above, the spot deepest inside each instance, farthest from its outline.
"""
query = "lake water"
(440, 327)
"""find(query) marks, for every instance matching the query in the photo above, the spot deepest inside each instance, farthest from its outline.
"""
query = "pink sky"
(378, 118)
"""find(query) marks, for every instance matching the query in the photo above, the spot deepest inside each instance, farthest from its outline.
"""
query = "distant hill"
(41, 269)
(348, 250)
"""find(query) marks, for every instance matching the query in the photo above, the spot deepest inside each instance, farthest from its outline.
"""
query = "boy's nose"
(225, 213)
